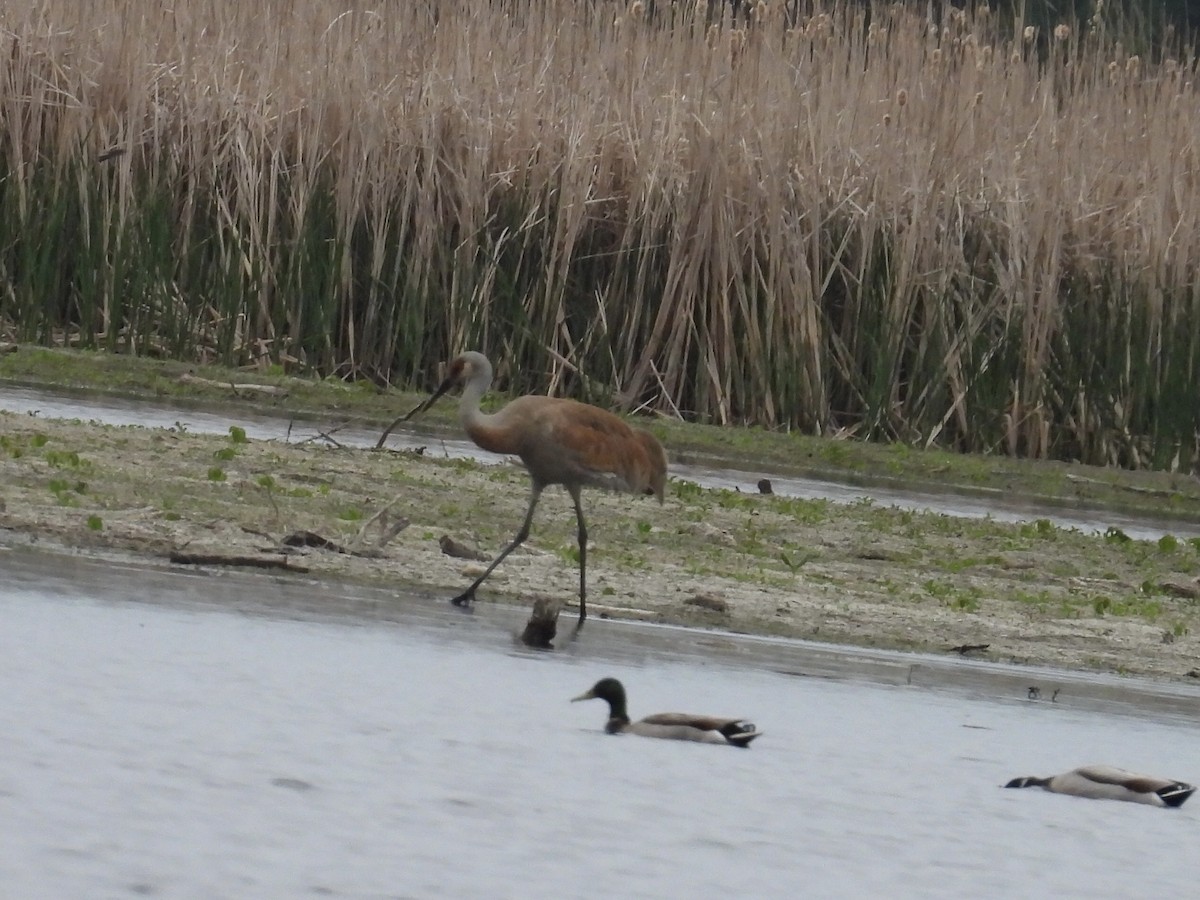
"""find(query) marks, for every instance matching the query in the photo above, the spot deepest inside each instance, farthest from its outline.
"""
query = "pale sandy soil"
(769, 565)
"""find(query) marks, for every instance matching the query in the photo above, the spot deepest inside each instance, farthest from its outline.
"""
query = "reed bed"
(845, 220)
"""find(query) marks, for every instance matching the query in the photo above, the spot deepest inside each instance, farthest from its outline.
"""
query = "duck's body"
(670, 726)
(1110, 783)
(559, 441)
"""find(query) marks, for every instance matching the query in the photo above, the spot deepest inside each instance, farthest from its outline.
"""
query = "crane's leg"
(468, 596)
(575, 495)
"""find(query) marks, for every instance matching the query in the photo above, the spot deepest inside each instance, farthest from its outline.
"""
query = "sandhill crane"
(560, 442)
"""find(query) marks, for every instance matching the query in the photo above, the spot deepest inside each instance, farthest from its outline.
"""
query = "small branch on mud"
(326, 436)
(270, 390)
(271, 497)
(221, 559)
(964, 649)
(388, 431)
(420, 407)
(388, 529)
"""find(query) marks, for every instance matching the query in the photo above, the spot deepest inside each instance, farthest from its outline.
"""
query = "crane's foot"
(464, 600)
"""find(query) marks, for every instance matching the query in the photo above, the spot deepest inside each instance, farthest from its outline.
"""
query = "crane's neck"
(479, 383)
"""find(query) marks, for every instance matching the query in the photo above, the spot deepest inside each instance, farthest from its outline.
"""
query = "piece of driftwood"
(708, 601)
(312, 539)
(222, 559)
(269, 390)
(543, 624)
(320, 542)
(451, 547)
(1178, 588)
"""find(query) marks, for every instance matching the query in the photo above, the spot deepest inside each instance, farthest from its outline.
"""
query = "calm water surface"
(179, 735)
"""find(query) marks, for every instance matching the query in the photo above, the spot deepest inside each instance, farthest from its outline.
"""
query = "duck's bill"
(433, 398)
(586, 695)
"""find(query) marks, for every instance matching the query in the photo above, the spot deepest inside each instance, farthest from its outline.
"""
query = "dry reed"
(901, 230)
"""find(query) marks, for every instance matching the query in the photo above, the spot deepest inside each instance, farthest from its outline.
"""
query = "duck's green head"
(611, 691)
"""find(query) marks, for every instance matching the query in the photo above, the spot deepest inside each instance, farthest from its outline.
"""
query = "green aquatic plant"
(614, 237)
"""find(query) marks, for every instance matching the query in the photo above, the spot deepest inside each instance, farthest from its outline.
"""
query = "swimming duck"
(1109, 783)
(672, 726)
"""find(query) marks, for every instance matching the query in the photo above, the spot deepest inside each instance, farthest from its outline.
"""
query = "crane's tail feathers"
(1175, 794)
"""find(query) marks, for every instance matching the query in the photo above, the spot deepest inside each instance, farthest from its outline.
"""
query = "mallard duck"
(1109, 783)
(672, 726)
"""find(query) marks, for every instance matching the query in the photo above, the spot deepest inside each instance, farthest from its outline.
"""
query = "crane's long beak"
(587, 695)
(433, 398)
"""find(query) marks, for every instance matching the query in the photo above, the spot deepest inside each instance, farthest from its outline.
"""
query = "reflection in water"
(203, 736)
(1003, 508)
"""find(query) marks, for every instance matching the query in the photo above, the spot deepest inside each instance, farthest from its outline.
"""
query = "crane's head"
(464, 369)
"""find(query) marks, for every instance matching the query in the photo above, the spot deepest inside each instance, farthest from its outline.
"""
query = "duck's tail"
(1175, 794)
(740, 734)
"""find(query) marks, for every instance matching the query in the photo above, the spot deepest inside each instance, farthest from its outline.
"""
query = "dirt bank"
(760, 564)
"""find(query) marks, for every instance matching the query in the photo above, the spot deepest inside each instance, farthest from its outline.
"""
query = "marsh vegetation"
(964, 235)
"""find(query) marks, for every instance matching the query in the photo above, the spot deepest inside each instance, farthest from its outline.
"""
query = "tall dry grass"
(937, 234)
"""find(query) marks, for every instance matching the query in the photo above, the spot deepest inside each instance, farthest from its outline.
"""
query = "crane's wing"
(601, 448)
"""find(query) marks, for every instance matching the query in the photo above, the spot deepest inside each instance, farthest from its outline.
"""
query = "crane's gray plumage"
(559, 441)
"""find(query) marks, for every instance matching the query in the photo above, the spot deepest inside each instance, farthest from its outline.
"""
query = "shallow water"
(1001, 507)
(185, 735)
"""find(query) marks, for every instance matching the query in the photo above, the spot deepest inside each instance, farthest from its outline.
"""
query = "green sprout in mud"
(1115, 535)
(65, 459)
(797, 562)
(64, 488)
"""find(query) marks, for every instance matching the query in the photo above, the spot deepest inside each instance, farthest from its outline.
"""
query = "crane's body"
(559, 441)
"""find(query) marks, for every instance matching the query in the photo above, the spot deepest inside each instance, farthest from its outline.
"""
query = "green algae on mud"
(858, 574)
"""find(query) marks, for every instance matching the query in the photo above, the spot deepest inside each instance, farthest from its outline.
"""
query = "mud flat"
(760, 564)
